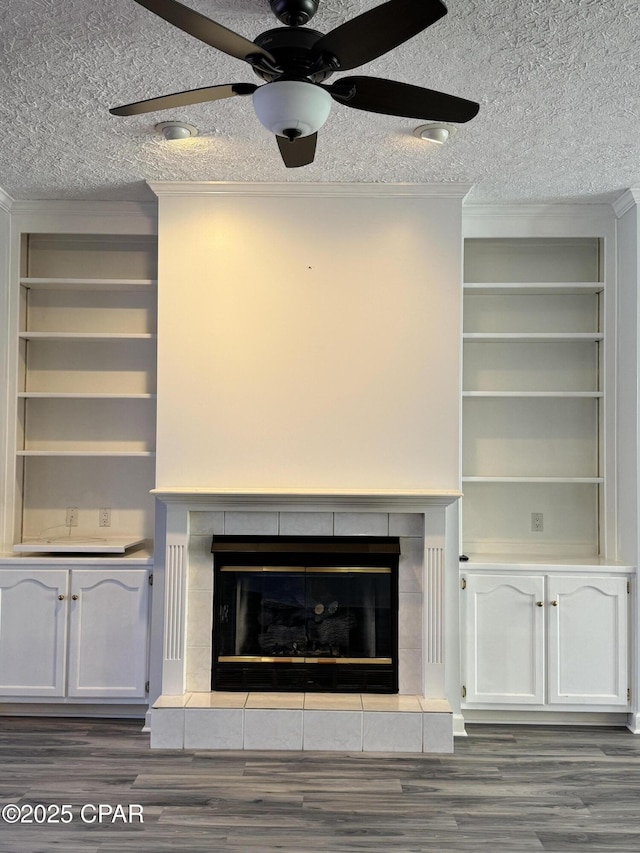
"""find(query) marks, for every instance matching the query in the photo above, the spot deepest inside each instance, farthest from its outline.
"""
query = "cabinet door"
(108, 633)
(504, 639)
(588, 640)
(33, 627)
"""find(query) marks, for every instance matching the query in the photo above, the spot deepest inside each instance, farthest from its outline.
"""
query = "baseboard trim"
(633, 723)
(33, 709)
(547, 718)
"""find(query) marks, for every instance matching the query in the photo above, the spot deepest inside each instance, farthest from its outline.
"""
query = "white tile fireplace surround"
(186, 714)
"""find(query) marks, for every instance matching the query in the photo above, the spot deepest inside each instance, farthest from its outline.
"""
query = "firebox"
(305, 614)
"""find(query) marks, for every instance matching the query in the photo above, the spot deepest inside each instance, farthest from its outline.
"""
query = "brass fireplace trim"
(369, 570)
(259, 659)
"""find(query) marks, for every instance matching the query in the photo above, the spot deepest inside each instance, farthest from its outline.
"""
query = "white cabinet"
(533, 397)
(78, 633)
(504, 639)
(588, 640)
(108, 633)
(85, 433)
(33, 632)
(545, 640)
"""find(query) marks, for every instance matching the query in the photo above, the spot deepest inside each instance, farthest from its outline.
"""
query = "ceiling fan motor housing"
(294, 13)
(292, 49)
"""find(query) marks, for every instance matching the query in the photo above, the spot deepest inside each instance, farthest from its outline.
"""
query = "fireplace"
(348, 531)
(305, 614)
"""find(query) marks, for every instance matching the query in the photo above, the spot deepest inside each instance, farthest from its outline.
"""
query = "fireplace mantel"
(310, 501)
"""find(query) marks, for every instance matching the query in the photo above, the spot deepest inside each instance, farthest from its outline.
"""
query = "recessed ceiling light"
(176, 129)
(435, 133)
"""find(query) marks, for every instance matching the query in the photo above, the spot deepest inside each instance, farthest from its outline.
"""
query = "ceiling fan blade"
(203, 28)
(379, 30)
(184, 99)
(298, 152)
(401, 99)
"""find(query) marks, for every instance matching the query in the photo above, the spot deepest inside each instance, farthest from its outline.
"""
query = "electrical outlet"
(72, 516)
(537, 522)
(104, 516)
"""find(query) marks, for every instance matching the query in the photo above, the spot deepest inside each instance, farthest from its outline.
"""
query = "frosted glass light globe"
(292, 108)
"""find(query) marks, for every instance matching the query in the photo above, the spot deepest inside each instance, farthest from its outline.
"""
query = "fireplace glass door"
(305, 627)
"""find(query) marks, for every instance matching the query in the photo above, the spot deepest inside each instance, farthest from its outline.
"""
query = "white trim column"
(433, 612)
(174, 632)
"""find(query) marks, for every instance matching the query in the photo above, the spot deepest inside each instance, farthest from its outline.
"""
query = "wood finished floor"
(505, 790)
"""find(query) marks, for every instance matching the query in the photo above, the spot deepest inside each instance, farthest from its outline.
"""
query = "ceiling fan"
(295, 61)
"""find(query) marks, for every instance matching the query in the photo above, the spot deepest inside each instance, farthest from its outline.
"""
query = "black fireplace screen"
(278, 626)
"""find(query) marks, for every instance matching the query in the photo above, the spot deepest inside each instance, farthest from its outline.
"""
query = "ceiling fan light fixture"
(176, 130)
(292, 108)
(295, 61)
(435, 133)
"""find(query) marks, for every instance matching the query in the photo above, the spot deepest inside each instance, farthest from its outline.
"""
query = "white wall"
(628, 379)
(308, 340)
(628, 414)
(5, 278)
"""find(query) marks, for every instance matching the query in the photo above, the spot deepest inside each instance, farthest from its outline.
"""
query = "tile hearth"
(302, 721)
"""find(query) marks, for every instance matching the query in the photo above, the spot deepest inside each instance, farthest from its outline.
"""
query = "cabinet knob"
(539, 603)
(554, 603)
(74, 597)
(61, 598)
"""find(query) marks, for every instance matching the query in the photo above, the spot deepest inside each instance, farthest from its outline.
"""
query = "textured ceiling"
(557, 81)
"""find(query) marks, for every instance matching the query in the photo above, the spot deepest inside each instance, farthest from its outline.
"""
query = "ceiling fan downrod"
(294, 13)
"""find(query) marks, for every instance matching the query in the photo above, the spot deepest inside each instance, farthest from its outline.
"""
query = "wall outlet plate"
(104, 516)
(537, 522)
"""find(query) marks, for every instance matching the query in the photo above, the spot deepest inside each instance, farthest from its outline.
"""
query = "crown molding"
(451, 190)
(85, 217)
(629, 199)
(507, 210)
(6, 202)
(549, 219)
(63, 207)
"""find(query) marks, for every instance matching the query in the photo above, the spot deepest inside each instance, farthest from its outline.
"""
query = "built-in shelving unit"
(544, 600)
(85, 433)
(533, 397)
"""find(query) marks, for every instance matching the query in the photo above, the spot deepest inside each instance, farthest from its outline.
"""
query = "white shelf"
(548, 480)
(78, 545)
(480, 561)
(87, 336)
(82, 395)
(136, 556)
(87, 309)
(534, 320)
(87, 453)
(88, 283)
(532, 288)
(542, 394)
(532, 337)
